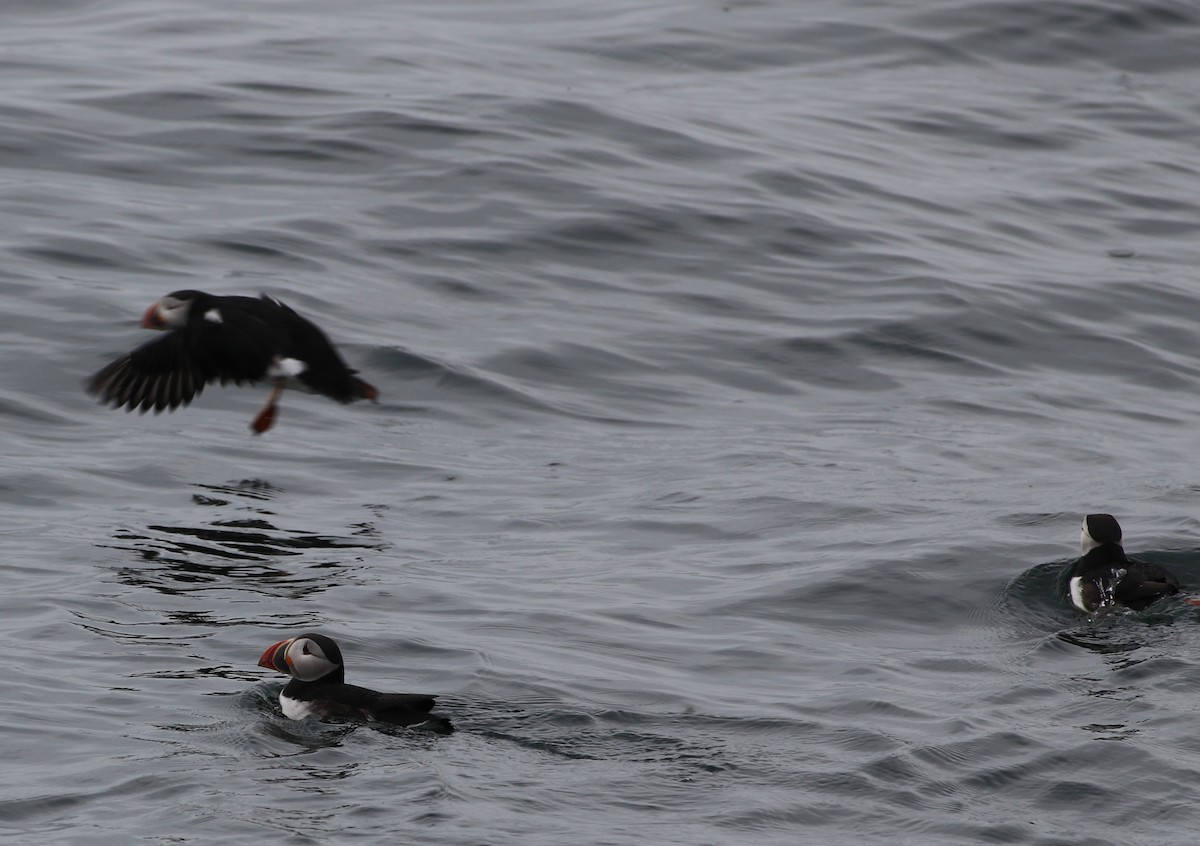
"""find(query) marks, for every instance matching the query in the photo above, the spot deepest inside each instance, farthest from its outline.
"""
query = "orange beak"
(152, 319)
(275, 656)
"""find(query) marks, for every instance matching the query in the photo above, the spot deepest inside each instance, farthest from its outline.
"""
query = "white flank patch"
(213, 315)
(286, 368)
(294, 709)
(1076, 600)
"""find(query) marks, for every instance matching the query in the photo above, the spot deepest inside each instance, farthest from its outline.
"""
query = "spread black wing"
(170, 371)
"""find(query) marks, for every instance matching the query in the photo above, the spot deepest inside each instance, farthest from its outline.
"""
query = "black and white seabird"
(1104, 577)
(318, 688)
(226, 339)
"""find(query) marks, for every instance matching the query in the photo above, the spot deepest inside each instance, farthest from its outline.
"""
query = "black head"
(1098, 530)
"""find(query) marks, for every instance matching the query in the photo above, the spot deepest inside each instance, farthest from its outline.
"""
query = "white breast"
(294, 709)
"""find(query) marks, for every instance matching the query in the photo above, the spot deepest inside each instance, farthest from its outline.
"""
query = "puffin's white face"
(1086, 542)
(307, 661)
(168, 313)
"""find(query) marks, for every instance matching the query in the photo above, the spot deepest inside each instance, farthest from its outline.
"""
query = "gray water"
(746, 369)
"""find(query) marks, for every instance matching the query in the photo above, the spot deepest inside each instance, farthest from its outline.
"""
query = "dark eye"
(304, 650)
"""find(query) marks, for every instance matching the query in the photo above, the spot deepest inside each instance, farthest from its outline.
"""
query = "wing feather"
(170, 371)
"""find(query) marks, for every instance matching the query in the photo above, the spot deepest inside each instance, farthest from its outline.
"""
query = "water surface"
(746, 369)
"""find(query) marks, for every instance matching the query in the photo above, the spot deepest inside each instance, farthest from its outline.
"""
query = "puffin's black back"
(241, 346)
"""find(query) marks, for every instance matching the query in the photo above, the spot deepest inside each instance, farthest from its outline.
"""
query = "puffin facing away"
(231, 339)
(1104, 577)
(318, 688)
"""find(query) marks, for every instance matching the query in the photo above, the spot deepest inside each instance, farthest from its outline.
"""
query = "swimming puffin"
(231, 339)
(318, 688)
(1104, 577)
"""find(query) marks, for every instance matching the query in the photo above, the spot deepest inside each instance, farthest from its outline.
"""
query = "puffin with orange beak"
(227, 339)
(318, 688)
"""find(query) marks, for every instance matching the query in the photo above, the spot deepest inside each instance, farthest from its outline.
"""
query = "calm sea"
(746, 370)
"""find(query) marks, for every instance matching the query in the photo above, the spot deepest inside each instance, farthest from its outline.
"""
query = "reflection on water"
(247, 552)
(259, 489)
(1104, 640)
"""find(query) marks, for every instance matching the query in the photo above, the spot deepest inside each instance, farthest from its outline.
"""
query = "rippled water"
(746, 369)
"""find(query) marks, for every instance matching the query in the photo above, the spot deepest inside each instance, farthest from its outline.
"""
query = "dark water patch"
(88, 253)
(410, 366)
(524, 381)
(1142, 200)
(393, 129)
(29, 410)
(53, 804)
(184, 26)
(1066, 335)
(911, 340)
(1145, 37)
(611, 377)
(1037, 597)
(442, 385)
(893, 594)
(984, 130)
(650, 140)
(752, 40)
(817, 361)
(455, 247)
(594, 235)
(285, 90)
(461, 289)
(811, 186)
(273, 248)
(1158, 227)
(171, 106)
(308, 151)
(1138, 117)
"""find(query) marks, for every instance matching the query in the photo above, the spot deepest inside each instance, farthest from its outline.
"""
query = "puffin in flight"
(1104, 577)
(318, 688)
(230, 339)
